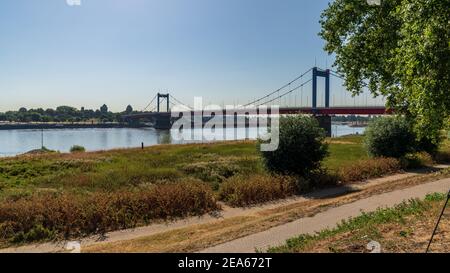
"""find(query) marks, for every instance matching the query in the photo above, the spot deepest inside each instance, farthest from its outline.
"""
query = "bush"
(301, 148)
(371, 168)
(77, 149)
(417, 160)
(52, 216)
(390, 137)
(443, 157)
(317, 179)
(244, 191)
(427, 145)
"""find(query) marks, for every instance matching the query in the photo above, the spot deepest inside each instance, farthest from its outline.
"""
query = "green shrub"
(443, 157)
(56, 216)
(77, 149)
(244, 191)
(371, 168)
(301, 147)
(317, 179)
(390, 137)
(427, 145)
(37, 233)
(417, 160)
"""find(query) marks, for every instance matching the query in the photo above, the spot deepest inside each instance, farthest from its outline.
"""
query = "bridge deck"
(376, 110)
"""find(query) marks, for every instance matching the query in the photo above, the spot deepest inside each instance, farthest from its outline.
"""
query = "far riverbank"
(48, 126)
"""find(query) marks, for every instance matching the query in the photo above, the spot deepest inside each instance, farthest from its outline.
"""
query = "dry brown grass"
(195, 238)
(370, 168)
(56, 216)
(32, 181)
(255, 189)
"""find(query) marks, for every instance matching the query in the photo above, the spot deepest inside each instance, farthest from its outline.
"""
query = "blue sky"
(122, 52)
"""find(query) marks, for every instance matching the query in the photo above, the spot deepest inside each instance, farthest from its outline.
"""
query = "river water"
(14, 142)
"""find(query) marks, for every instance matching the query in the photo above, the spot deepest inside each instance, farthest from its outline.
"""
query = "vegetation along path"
(197, 233)
(328, 219)
(186, 198)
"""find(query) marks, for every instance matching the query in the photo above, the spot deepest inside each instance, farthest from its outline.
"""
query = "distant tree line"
(72, 114)
(64, 114)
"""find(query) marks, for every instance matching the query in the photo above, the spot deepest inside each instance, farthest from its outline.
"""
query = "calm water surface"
(14, 142)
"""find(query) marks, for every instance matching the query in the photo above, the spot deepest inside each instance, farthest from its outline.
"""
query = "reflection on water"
(13, 142)
(344, 130)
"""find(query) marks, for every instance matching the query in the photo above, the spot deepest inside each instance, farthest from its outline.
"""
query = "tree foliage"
(62, 114)
(401, 49)
(301, 148)
(104, 109)
(129, 109)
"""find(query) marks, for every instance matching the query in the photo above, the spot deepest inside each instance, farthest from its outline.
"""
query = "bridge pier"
(163, 121)
(325, 123)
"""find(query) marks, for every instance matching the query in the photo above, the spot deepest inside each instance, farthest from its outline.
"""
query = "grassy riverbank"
(130, 168)
(70, 195)
(121, 169)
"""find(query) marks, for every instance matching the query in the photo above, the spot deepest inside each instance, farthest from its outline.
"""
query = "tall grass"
(251, 190)
(70, 195)
(369, 168)
(66, 215)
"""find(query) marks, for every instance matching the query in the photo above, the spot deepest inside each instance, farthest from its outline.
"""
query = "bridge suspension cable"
(151, 102)
(336, 74)
(364, 84)
(286, 93)
(179, 102)
(279, 89)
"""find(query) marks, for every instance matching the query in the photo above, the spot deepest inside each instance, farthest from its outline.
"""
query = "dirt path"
(226, 213)
(327, 219)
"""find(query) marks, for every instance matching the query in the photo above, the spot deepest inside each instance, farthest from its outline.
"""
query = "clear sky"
(122, 52)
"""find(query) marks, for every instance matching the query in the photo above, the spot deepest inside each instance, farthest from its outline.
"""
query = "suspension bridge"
(292, 98)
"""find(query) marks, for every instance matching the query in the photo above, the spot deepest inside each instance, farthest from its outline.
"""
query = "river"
(14, 142)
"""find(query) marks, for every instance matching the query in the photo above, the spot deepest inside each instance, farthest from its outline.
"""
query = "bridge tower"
(325, 74)
(162, 97)
(162, 120)
(324, 120)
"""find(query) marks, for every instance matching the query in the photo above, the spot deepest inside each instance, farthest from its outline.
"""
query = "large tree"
(400, 49)
(129, 109)
(104, 109)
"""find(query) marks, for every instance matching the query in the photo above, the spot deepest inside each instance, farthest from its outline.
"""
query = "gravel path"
(327, 219)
